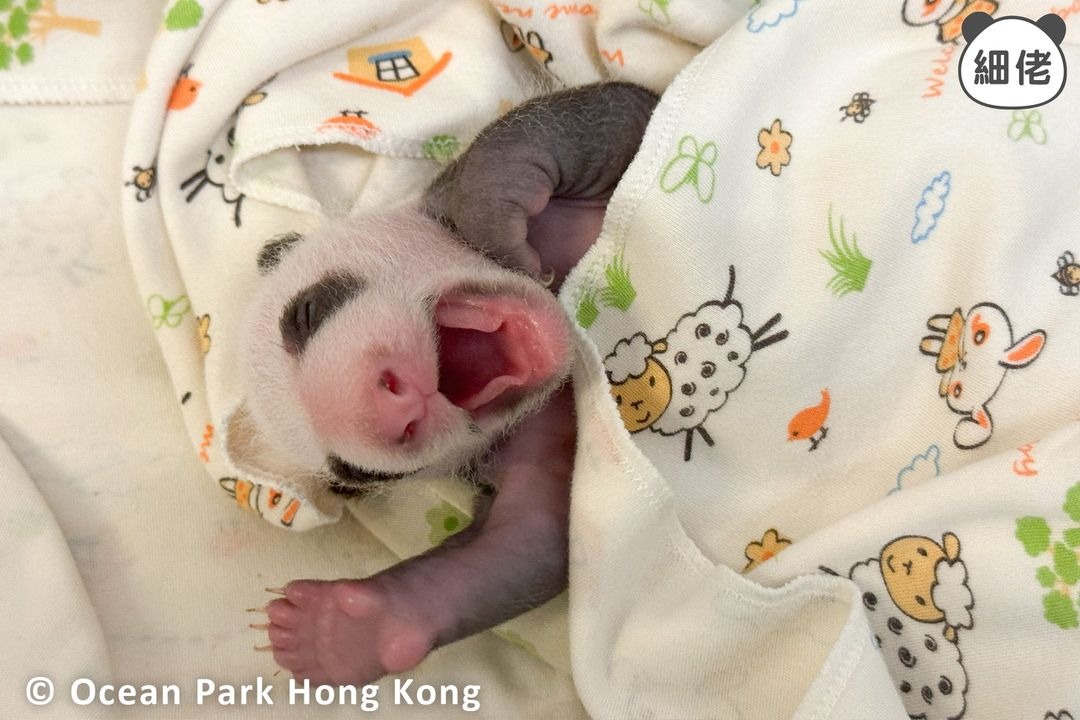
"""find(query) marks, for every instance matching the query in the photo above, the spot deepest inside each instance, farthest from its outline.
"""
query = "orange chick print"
(809, 423)
(184, 92)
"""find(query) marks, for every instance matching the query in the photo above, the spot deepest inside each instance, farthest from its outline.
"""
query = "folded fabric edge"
(311, 509)
(15, 91)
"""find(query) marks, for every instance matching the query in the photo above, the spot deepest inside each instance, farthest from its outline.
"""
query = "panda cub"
(394, 346)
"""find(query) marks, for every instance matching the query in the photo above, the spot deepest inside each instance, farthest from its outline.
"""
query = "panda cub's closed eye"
(311, 307)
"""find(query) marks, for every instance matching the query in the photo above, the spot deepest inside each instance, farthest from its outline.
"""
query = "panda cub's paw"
(345, 632)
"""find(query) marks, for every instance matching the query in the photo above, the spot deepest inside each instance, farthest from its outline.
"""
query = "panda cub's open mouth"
(494, 349)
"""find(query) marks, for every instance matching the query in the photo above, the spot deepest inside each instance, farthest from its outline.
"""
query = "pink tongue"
(469, 360)
(484, 349)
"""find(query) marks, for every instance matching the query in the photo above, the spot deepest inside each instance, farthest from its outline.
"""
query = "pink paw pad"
(345, 632)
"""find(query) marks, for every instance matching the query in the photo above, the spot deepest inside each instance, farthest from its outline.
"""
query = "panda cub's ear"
(974, 24)
(275, 249)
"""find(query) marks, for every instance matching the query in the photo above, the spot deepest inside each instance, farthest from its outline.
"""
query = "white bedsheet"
(120, 562)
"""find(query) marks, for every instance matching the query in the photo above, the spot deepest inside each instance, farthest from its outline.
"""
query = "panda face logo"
(1012, 62)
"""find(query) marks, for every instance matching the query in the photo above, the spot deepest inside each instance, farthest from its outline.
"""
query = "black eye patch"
(350, 480)
(306, 312)
(275, 249)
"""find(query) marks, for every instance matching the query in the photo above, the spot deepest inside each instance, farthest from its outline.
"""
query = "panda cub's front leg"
(513, 558)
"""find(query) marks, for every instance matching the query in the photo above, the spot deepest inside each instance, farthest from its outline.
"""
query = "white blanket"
(834, 303)
(122, 564)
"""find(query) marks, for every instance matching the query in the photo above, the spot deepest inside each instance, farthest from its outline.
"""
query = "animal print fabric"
(253, 120)
(829, 395)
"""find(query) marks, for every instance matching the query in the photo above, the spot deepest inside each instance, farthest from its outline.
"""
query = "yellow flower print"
(204, 333)
(758, 552)
(774, 144)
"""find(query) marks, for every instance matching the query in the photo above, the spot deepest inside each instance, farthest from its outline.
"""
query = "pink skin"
(512, 558)
(400, 402)
(423, 364)
(564, 231)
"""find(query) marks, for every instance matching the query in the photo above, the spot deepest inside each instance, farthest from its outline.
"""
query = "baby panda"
(383, 348)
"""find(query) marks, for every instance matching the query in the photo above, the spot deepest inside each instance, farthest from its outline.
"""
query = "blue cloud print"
(921, 468)
(769, 14)
(931, 206)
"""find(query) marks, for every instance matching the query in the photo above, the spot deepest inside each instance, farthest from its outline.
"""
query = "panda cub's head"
(380, 346)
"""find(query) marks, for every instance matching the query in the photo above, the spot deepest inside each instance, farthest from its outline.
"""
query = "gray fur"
(574, 144)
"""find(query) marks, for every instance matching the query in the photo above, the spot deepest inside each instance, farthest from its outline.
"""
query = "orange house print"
(402, 67)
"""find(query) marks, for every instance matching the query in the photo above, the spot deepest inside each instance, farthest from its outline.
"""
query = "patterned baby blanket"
(256, 118)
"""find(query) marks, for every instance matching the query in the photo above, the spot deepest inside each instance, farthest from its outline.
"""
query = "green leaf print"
(26, 24)
(1060, 611)
(18, 23)
(1063, 573)
(1034, 533)
(185, 14)
(1065, 564)
(1045, 576)
(1072, 502)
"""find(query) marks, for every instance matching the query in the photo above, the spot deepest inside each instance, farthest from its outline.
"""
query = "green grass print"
(851, 266)
(619, 292)
(587, 310)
